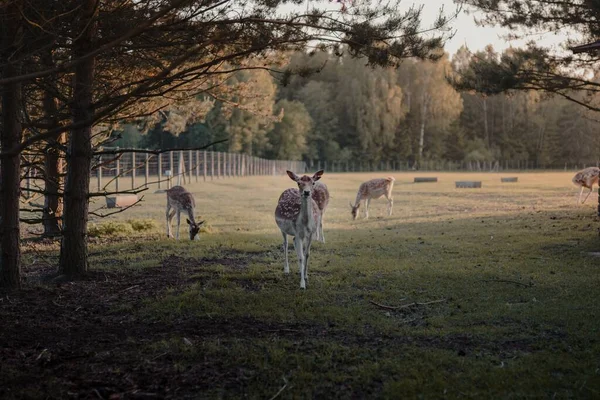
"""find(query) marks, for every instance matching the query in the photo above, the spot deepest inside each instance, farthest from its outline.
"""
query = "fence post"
(170, 179)
(197, 165)
(180, 169)
(147, 170)
(228, 164)
(212, 165)
(235, 164)
(132, 170)
(190, 166)
(117, 172)
(218, 164)
(159, 170)
(99, 173)
(204, 158)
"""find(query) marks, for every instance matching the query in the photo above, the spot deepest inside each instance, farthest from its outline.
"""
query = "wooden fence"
(135, 170)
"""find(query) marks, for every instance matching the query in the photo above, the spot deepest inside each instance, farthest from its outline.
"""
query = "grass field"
(461, 293)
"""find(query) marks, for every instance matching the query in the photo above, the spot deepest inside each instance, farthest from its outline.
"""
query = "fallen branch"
(406, 305)
(280, 390)
(508, 281)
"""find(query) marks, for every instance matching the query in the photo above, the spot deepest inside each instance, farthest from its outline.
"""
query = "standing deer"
(373, 189)
(298, 215)
(586, 178)
(320, 195)
(179, 199)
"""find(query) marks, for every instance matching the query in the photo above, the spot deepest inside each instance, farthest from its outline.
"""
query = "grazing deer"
(179, 199)
(320, 195)
(298, 215)
(373, 189)
(586, 178)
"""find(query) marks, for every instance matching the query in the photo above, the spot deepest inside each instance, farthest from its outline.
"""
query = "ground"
(461, 293)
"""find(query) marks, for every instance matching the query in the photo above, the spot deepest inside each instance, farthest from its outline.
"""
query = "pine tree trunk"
(53, 164)
(73, 252)
(10, 165)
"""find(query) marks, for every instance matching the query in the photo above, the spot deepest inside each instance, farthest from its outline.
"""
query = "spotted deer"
(373, 189)
(320, 195)
(298, 215)
(178, 200)
(586, 179)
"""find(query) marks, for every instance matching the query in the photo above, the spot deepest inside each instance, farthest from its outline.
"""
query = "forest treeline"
(351, 111)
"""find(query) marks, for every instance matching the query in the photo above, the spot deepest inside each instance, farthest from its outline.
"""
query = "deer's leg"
(286, 266)
(321, 235)
(169, 218)
(178, 223)
(300, 253)
(580, 191)
(306, 256)
(367, 201)
(588, 195)
(390, 205)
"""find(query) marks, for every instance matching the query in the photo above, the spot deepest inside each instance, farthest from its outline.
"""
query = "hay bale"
(121, 200)
(425, 179)
(468, 184)
(509, 179)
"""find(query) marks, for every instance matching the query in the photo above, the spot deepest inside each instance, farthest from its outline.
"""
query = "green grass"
(510, 262)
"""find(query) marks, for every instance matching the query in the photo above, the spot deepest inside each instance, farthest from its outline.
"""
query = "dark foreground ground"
(486, 307)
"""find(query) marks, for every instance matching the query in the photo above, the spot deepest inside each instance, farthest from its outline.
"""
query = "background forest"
(349, 111)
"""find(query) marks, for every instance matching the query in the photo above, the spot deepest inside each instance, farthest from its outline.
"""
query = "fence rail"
(134, 169)
(447, 166)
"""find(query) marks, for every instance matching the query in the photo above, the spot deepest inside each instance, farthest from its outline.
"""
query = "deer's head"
(354, 209)
(305, 182)
(194, 228)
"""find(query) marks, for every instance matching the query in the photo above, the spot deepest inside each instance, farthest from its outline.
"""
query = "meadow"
(461, 293)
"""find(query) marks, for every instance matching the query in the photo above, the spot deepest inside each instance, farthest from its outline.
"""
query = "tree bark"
(73, 252)
(53, 163)
(10, 168)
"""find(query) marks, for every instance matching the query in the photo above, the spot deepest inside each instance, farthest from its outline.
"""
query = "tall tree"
(370, 106)
(10, 136)
(434, 104)
(536, 67)
(288, 136)
(73, 250)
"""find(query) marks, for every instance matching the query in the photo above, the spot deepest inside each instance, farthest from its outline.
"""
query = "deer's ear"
(317, 175)
(292, 175)
(188, 221)
(351, 206)
(200, 223)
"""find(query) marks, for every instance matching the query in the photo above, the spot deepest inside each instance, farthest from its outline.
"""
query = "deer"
(297, 214)
(178, 200)
(586, 178)
(320, 195)
(373, 189)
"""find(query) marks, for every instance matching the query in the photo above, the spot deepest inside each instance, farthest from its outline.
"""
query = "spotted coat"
(178, 200)
(373, 189)
(587, 177)
(288, 207)
(320, 194)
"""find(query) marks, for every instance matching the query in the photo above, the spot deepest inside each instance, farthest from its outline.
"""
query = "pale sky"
(473, 36)
(467, 31)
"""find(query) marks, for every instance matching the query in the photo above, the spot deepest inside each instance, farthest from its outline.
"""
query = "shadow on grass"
(159, 319)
